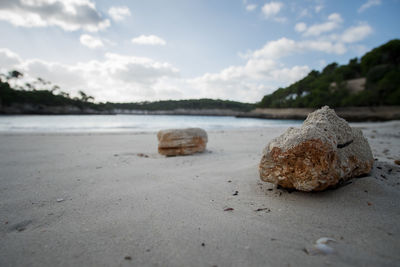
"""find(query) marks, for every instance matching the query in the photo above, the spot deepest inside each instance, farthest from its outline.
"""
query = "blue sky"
(178, 49)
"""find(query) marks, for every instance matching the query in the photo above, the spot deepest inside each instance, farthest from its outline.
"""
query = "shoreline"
(352, 114)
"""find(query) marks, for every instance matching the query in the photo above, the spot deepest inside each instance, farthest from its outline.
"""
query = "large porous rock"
(174, 142)
(324, 151)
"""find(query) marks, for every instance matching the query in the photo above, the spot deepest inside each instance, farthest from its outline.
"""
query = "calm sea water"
(129, 123)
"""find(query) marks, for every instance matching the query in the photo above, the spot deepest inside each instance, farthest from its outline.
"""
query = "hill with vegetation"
(373, 80)
(196, 104)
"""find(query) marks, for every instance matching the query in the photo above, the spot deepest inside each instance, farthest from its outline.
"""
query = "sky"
(130, 51)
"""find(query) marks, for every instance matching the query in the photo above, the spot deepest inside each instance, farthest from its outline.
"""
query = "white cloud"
(356, 33)
(323, 46)
(300, 27)
(335, 17)
(126, 78)
(119, 13)
(276, 49)
(113, 78)
(280, 19)
(90, 41)
(271, 9)
(248, 82)
(69, 77)
(8, 60)
(368, 4)
(137, 69)
(251, 7)
(334, 21)
(284, 47)
(304, 13)
(148, 40)
(290, 75)
(69, 15)
(318, 8)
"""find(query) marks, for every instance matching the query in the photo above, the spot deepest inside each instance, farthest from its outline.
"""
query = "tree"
(14, 74)
(84, 97)
(55, 88)
(330, 68)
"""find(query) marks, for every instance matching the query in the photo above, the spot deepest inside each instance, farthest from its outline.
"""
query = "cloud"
(276, 49)
(113, 78)
(368, 4)
(124, 78)
(70, 15)
(290, 75)
(248, 82)
(148, 40)
(304, 13)
(323, 46)
(119, 13)
(356, 33)
(8, 60)
(137, 69)
(318, 8)
(284, 47)
(300, 27)
(271, 9)
(251, 7)
(90, 41)
(69, 77)
(334, 21)
(332, 44)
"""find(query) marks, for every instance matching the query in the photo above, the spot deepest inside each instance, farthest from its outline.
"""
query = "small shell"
(324, 240)
(324, 249)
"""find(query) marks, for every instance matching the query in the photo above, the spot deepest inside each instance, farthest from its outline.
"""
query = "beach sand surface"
(110, 200)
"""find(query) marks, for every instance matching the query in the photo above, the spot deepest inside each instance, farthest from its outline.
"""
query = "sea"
(129, 123)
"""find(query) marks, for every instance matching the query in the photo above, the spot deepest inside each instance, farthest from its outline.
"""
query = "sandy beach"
(110, 200)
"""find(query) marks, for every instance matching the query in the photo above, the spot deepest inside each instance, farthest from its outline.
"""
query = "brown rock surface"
(322, 152)
(174, 142)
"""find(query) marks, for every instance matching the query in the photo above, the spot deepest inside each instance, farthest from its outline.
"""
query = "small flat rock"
(320, 154)
(263, 209)
(21, 226)
(176, 142)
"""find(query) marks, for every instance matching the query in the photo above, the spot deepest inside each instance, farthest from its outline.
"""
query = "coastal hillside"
(372, 80)
(187, 104)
